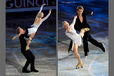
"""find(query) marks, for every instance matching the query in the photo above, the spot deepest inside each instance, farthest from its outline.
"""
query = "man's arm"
(88, 12)
(16, 36)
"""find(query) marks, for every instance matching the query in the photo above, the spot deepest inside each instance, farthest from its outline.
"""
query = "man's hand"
(92, 13)
(14, 37)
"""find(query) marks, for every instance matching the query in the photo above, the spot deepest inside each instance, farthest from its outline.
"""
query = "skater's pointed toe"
(102, 48)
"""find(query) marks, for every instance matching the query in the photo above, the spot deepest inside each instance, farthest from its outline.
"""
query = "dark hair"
(80, 7)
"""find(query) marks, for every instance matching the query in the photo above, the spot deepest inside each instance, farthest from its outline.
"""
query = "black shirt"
(78, 26)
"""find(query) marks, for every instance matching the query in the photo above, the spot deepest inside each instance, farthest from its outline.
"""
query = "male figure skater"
(81, 23)
(28, 55)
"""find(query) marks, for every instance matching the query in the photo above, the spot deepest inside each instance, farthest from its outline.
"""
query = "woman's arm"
(47, 15)
(74, 21)
(40, 9)
(29, 41)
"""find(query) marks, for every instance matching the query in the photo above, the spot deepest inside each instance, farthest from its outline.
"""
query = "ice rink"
(96, 64)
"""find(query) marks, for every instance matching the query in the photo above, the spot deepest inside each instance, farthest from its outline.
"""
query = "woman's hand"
(44, 4)
(75, 17)
(50, 10)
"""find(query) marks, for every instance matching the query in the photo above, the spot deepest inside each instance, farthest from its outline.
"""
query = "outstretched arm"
(16, 36)
(41, 9)
(29, 41)
(88, 12)
(47, 15)
(74, 21)
(21, 31)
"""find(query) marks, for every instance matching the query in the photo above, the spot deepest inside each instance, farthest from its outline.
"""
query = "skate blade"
(79, 67)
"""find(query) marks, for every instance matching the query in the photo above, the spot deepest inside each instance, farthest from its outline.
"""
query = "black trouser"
(87, 37)
(28, 54)
(30, 59)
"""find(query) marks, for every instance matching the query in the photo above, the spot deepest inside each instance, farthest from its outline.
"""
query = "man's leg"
(26, 65)
(32, 60)
(27, 62)
(70, 46)
(85, 44)
(24, 52)
(86, 49)
(96, 43)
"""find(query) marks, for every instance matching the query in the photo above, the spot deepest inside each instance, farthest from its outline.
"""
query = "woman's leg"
(21, 31)
(83, 31)
(76, 53)
(77, 56)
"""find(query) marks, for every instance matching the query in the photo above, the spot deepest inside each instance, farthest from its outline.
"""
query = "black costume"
(28, 54)
(87, 37)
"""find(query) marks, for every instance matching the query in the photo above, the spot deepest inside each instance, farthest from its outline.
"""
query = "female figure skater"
(76, 38)
(31, 31)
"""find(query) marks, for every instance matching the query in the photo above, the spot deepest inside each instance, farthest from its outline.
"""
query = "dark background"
(98, 21)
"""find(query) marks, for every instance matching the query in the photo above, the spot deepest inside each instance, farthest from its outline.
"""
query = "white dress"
(73, 35)
(35, 27)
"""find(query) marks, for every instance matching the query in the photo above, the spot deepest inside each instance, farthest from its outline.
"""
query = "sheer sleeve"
(73, 23)
(46, 16)
(40, 9)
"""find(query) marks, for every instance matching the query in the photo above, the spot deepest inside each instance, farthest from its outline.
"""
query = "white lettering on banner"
(18, 4)
(27, 3)
(30, 2)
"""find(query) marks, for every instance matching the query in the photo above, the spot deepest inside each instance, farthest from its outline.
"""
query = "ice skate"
(79, 65)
